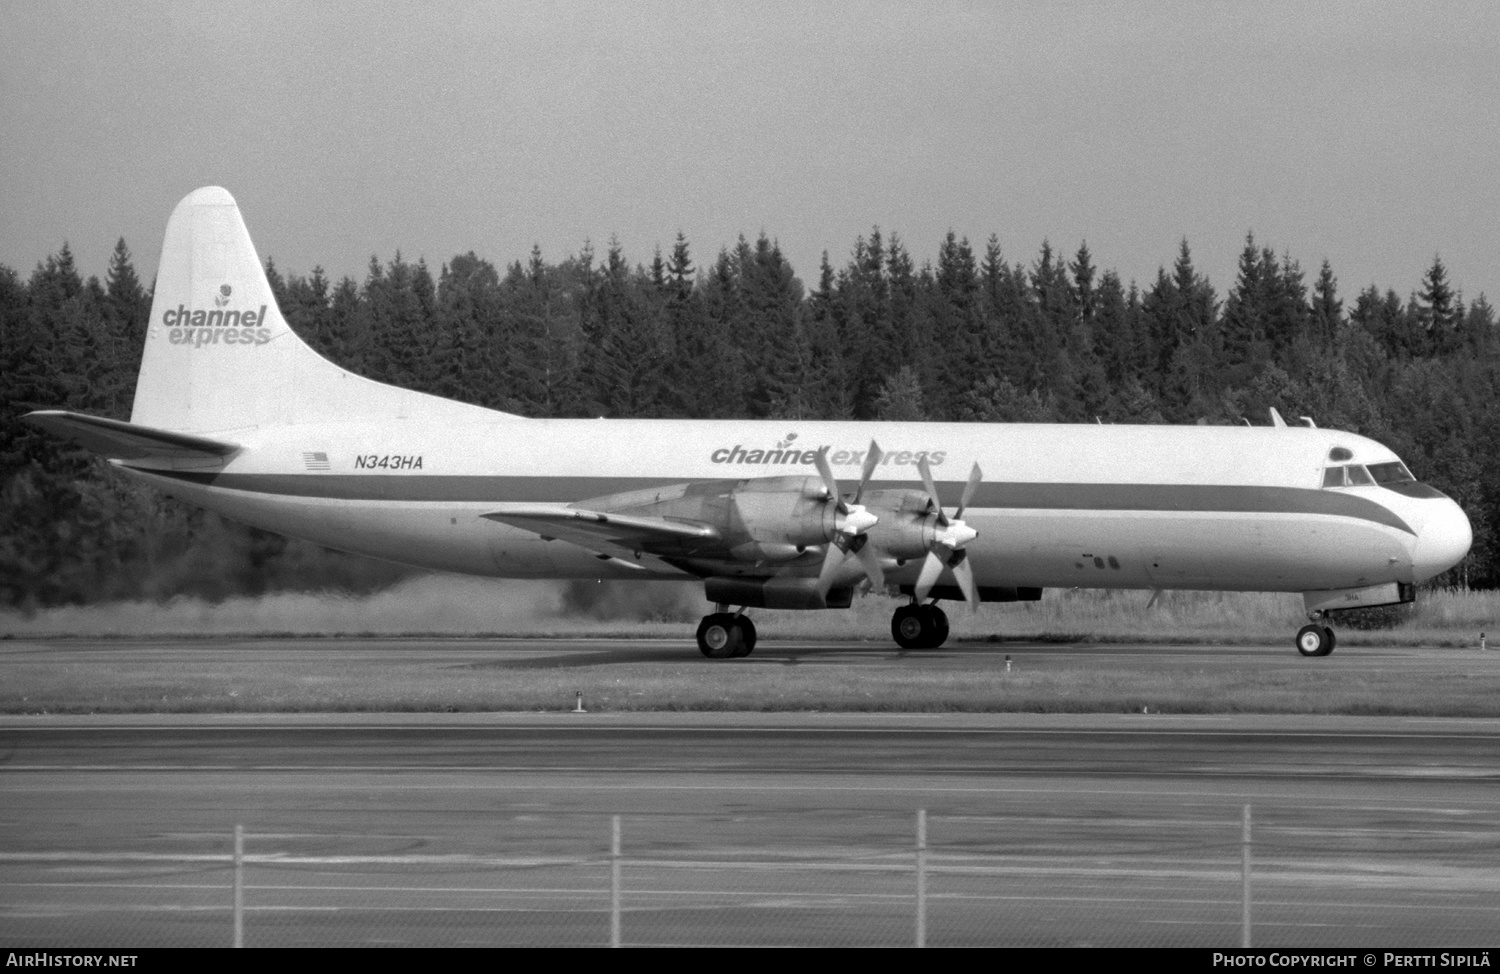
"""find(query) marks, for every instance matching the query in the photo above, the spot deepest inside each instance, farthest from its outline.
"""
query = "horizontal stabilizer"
(119, 440)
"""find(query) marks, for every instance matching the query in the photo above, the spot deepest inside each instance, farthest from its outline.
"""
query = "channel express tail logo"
(788, 452)
(221, 326)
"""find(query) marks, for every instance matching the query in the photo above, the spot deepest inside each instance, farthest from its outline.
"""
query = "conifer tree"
(129, 304)
(680, 268)
(1288, 320)
(828, 395)
(1083, 282)
(1327, 307)
(900, 397)
(1438, 315)
(1479, 328)
(768, 331)
(957, 354)
(399, 305)
(346, 338)
(701, 350)
(865, 319)
(477, 345)
(278, 284)
(1113, 334)
(716, 386)
(1004, 305)
(1048, 320)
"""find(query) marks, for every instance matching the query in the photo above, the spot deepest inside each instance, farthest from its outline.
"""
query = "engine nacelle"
(781, 512)
(762, 519)
(907, 526)
(776, 593)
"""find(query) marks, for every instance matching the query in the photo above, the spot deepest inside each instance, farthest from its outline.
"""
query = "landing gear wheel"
(919, 627)
(939, 625)
(720, 636)
(747, 635)
(907, 628)
(1314, 640)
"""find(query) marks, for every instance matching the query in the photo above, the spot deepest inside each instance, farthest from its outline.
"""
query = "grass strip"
(1460, 686)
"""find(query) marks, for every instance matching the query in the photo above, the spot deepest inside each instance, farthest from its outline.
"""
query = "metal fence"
(871, 879)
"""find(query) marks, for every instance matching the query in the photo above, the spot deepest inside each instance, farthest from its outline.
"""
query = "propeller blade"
(836, 556)
(833, 560)
(932, 493)
(850, 537)
(932, 569)
(871, 562)
(975, 476)
(964, 573)
(872, 460)
(952, 534)
(826, 472)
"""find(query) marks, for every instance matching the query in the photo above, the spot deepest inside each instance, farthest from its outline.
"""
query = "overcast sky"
(1365, 133)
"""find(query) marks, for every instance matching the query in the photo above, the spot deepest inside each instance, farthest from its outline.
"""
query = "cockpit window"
(1355, 475)
(1359, 475)
(1391, 473)
(1340, 453)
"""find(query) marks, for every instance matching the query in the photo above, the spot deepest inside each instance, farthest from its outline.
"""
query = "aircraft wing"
(119, 440)
(620, 536)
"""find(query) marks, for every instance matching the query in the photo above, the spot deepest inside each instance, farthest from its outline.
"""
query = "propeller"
(951, 534)
(850, 525)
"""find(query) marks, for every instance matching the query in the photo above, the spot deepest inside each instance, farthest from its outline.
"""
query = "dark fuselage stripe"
(437, 488)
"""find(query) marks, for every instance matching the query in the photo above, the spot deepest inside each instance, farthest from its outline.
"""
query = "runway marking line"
(1367, 774)
(1280, 874)
(824, 784)
(625, 721)
(635, 893)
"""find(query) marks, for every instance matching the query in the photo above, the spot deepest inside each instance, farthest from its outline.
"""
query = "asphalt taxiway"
(801, 829)
(571, 652)
(1040, 829)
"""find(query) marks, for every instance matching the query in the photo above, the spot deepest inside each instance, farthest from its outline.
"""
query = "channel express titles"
(839, 458)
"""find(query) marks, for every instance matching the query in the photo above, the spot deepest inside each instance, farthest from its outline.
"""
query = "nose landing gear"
(1315, 639)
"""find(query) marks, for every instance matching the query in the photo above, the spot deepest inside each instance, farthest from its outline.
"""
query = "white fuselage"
(1233, 508)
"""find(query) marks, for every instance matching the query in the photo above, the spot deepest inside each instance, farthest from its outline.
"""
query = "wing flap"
(624, 530)
(119, 440)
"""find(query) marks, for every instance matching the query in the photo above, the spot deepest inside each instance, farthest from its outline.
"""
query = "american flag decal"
(315, 461)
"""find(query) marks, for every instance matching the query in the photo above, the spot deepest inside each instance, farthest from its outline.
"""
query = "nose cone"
(1442, 542)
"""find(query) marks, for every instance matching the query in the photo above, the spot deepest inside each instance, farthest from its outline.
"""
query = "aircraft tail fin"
(219, 356)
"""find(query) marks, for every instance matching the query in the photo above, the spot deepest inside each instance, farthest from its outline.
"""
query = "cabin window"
(1391, 473)
(1359, 476)
(1333, 477)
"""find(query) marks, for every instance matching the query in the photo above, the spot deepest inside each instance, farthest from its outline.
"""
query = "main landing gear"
(729, 635)
(1315, 639)
(919, 626)
(726, 635)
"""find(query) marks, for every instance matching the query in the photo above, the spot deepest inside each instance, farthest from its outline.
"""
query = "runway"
(749, 829)
(575, 652)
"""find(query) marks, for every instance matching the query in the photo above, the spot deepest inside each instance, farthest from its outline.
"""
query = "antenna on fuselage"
(1307, 421)
(1276, 419)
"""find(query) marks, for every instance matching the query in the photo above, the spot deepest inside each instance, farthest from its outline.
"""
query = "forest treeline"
(966, 336)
